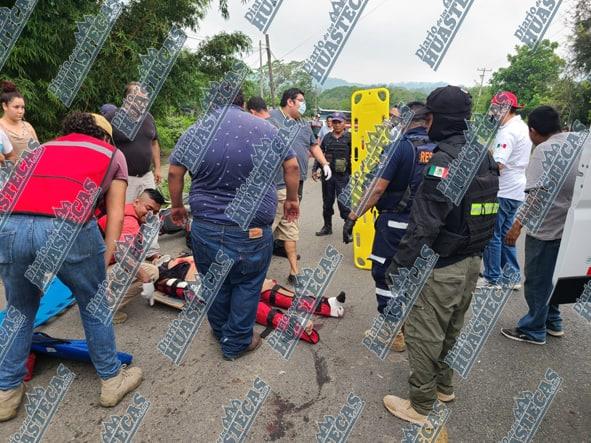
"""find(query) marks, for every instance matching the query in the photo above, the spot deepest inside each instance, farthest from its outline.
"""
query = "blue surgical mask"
(302, 108)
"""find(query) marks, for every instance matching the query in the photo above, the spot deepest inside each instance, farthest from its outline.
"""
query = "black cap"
(450, 100)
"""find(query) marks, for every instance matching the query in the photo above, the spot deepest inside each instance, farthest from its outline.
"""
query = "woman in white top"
(12, 122)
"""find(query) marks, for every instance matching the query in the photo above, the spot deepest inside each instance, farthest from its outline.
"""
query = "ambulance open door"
(573, 265)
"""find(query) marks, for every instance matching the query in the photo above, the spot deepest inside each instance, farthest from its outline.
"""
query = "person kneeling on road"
(85, 155)
(135, 214)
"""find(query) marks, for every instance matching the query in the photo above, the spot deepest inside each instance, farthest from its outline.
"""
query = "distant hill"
(339, 97)
(419, 86)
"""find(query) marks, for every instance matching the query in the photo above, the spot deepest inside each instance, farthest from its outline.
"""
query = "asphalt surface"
(187, 401)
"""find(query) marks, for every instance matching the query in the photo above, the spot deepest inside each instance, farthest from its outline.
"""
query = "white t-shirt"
(6, 145)
(512, 148)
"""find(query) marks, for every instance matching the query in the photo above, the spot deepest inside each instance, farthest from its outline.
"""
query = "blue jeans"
(233, 312)
(82, 271)
(540, 260)
(497, 254)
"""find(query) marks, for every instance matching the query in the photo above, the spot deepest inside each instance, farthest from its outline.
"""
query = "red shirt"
(131, 224)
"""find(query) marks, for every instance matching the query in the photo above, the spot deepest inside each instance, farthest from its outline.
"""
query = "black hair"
(329, 117)
(82, 123)
(154, 195)
(290, 94)
(419, 109)
(545, 120)
(416, 104)
(9, 92)
(239, 99)
(257, 104)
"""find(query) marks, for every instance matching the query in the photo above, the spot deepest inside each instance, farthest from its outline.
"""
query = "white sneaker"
(517, 287)
(483, 283)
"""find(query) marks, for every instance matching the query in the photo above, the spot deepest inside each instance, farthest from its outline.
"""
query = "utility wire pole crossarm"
(483, 72)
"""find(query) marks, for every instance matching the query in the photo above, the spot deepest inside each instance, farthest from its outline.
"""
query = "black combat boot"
(327, 228)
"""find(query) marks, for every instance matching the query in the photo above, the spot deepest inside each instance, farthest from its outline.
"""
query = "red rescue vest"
(69, 175)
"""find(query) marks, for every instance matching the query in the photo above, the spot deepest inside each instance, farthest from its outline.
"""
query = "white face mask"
(302, 108)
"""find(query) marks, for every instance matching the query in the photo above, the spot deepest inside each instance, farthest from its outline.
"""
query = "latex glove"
(348, 231)
(327, 172)
(148, 292)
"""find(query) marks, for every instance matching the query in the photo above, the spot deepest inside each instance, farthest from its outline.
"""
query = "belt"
(232, 227)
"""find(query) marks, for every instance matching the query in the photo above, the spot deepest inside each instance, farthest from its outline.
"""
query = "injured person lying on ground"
(173, 289)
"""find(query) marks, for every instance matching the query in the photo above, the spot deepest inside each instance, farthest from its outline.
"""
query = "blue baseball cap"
(338, 116)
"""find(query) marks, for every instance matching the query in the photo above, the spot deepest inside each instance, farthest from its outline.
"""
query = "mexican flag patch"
(503, 146)
(438, 171)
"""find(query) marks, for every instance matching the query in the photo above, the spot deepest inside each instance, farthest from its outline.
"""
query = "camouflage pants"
(432, 327)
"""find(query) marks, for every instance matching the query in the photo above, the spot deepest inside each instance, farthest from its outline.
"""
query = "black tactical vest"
(470, 225)
(338, 152)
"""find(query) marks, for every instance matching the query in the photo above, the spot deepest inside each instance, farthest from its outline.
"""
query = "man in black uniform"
(393, 196)
(336, 146)
(458, 234)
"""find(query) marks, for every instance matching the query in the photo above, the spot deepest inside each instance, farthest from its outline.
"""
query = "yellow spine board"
(369, 108)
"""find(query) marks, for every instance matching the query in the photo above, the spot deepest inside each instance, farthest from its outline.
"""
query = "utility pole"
(271, 84)
(261, 67)
(483, 72)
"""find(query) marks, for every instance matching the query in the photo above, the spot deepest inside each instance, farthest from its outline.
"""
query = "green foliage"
(170, 127)
(285, 76)
(480, 99)
(581, 38)
(531, 75)
(340, 97)
(572, 99)
(48, 40)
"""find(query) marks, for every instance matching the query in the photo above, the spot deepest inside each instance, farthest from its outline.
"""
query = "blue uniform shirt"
(226, 165)
(398, 171)
(405, 169)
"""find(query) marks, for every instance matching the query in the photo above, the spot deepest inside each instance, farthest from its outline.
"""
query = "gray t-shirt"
(553, 224)
(301, 145)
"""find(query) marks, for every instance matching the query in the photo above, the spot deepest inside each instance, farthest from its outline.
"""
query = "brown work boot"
(254, 344)
(115, 388)
(445, 398)
(119, 317)
(10, 401)
(398, 344)
(403, 409)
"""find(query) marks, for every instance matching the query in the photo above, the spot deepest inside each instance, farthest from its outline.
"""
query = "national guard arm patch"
(438, 171)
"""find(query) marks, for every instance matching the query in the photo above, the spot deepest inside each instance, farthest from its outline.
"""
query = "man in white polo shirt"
(512, 148)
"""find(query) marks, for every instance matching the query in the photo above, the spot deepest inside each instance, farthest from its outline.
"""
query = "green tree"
(531, 75)
(48, 39)
(581, 37)
(285, 76)
(340, 97)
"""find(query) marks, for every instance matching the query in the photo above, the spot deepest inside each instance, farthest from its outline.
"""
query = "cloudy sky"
(381, 48)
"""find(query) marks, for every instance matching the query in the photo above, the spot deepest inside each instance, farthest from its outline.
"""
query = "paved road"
(187, 401)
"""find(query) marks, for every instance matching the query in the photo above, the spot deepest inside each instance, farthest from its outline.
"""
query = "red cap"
(506, 96)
